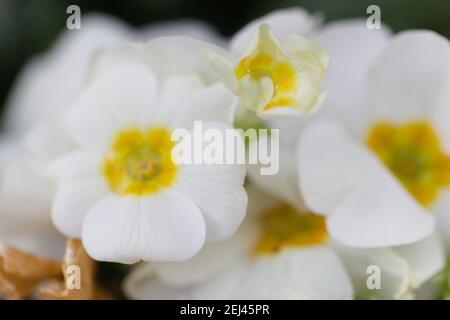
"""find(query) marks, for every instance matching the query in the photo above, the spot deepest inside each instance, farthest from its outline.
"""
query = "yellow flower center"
(285, 227)
(274, 65)
(414, 154)
(140, 162)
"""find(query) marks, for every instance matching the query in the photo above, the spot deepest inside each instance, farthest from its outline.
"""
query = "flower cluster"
(363, 181)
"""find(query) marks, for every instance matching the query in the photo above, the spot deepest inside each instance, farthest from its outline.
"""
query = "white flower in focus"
(273, 78)
(45, 88)
(121, 192)
(278, 253)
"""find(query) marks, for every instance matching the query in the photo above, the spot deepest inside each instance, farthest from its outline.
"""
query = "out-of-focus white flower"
(51, 81)
(379, 173)
(278, 253)
(25, 200)
(45, 88)
(401, 133)
(273, 78)
(121, 192)
(371, 216)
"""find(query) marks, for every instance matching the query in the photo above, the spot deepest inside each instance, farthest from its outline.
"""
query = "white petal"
(215, 104)
(425, 258)
(25, 195)
(294, 44)
(48, 139)
(212, 260)
(166, 56)
(394, 271)
(176, 90)
(75, 164)
(49, 83)
(366, 206)
(282, 22)
(267, 278)
(406, 79)
(441, 210)
(124, 97)
(255, 94)
(219, 193)
(224, 68)
(72, 202)
(352, 47)
(284, 183)
(310, 273)
(162, 227)
(192, 28)
(190, 100)
(441, 113)
(142, 284)
(318, 273)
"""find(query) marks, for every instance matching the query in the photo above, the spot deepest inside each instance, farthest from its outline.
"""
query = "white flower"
(278, 253)
(120, 190)
(45, 88)
(275, 78)
(399, 153)
(25, 200)
(397, 158)
(370, 215)
(50, 82)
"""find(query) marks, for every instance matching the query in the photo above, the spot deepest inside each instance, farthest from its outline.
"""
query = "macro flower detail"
(369, 214)
(284, 227)
(279, 252)
(274, 79)
(382, 166)
(302, 157)
(121, 192)
(140, 162)
(414, 154)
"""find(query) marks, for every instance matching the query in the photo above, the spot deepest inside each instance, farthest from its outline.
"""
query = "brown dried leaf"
(79, 277)
(21, 272)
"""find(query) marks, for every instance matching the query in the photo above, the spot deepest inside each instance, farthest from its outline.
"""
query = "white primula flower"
(378, 185)
(51, 82)
(45, 88)
(121, 192)
(278, 253)
(275, 78)
(369, 213)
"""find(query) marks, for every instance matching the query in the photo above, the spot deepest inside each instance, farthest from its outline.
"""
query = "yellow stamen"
(414, 154)
(140, 162)
(268, 60)
(285, 227)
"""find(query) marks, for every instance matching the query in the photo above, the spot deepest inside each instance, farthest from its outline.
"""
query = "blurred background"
(28, 27)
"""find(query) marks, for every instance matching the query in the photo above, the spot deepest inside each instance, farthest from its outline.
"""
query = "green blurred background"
(29, 26)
